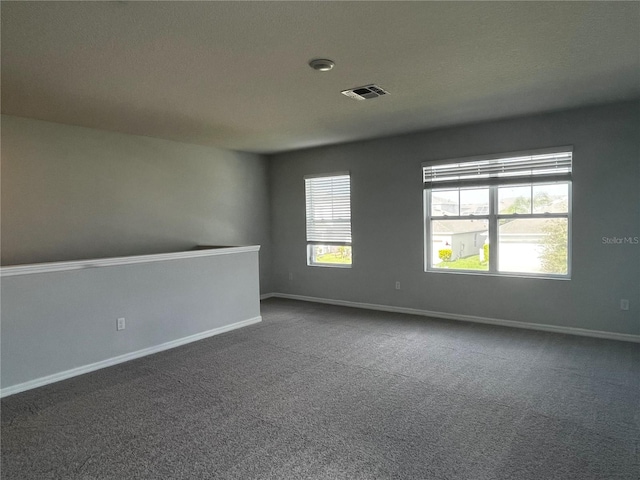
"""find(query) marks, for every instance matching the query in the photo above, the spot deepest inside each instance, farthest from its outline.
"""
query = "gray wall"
(387, 222)
(71, 193)
(57, 321)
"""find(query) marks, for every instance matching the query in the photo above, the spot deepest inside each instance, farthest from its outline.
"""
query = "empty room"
(320, 240)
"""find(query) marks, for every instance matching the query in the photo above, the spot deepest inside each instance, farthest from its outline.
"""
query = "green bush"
(445, 254)
(485, 249)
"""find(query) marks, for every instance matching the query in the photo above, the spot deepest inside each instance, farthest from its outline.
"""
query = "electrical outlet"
(397, 285)
(624, 304)
(290, 275)
(120, 325)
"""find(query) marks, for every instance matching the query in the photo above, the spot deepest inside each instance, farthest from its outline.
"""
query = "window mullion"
(493, 229)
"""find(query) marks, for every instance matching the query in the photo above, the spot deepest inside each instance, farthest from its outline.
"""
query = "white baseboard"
(267, 295)
(56, 377)
(626, 337)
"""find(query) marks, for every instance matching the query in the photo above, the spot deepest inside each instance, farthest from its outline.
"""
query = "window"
(506, 215)
(328, 205)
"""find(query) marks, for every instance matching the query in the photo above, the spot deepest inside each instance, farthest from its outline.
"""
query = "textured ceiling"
(235, 74)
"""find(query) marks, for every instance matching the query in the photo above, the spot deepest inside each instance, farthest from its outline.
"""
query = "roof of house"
(522, 227)
(446, 227)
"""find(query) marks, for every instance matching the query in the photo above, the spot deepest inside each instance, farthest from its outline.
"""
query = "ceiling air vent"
(365, 93)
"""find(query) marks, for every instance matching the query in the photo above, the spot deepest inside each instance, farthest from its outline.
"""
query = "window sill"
(328, 265)
(496, 274)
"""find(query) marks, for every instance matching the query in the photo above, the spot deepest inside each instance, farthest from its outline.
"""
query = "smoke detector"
(322, 64)
(365, 93)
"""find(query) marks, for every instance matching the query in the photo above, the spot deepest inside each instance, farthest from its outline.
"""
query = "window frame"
(493, 217)
(310, 244)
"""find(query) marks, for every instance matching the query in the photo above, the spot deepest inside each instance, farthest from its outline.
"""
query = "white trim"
(10, 271)
(265, 296)
(584, 332)
(56, 377)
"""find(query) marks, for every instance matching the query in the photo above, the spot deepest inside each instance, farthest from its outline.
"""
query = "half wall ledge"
(198, 251)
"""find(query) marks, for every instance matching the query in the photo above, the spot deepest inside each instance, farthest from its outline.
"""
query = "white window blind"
(328, 201)
(501, 170)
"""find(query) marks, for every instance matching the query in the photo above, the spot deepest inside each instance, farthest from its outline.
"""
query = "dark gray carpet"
(323, 392)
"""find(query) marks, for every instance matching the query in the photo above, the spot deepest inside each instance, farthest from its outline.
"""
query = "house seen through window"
(328, 219)
(507, 214)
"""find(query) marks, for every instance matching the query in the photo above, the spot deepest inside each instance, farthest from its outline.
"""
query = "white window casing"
(328, 211)
(451, 222)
